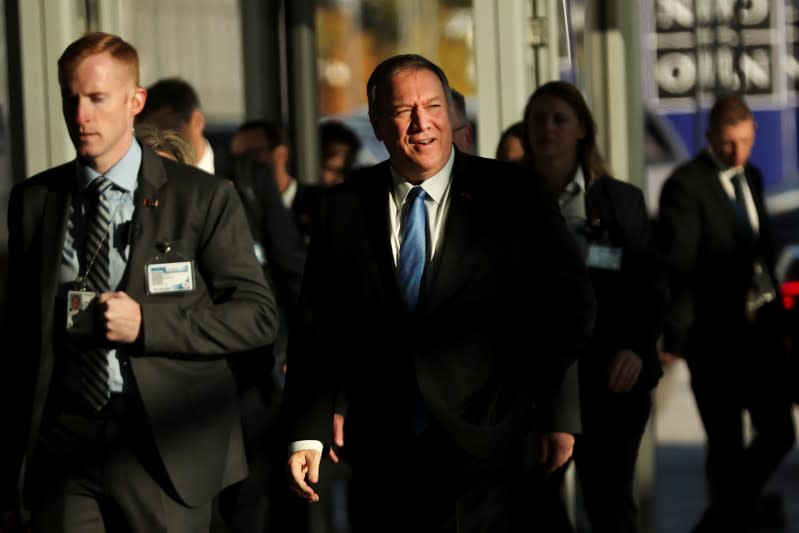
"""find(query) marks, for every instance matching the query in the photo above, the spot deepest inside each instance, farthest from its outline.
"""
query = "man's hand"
(303, 468)
(338, 436)
(121, 315)
(623, 372)
(556, 448)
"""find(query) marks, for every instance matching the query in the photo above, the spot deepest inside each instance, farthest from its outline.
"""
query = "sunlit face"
(732, 143)
(413, 122)
(511, 149)
(553, 128)
(99, 101)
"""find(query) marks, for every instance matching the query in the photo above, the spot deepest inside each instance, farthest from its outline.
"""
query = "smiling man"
(444, 298)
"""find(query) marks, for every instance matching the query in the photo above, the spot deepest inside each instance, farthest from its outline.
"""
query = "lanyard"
(81, 280)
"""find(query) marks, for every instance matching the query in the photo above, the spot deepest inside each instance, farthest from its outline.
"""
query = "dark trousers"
(101, 473)
(605, 456)
(727, 378)
(432, 486)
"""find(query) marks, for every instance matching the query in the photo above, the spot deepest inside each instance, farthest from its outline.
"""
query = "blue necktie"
(413, 247)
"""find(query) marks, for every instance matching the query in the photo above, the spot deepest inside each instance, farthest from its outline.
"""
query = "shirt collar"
(574, 188)
(724, 170)
(577, 183)
(123, 174)
(435, 186)
(207, 161)
(287, 196)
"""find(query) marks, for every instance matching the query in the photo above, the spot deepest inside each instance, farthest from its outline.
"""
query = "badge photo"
(80, 318)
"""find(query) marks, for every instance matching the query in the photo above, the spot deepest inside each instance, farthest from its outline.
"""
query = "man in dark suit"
(267, 142)
(724, 316)
(173, 104)
(130, 424)
(444, 296)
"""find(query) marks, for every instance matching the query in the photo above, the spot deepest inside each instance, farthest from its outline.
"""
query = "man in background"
(339, 146)
(267, 142)
(173, 104)
(462, 129)
(725, 316)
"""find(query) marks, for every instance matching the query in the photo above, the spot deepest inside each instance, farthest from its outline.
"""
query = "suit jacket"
(505, 305)
(274, 228)
(710, 263)
(630, 301)
(179, 362)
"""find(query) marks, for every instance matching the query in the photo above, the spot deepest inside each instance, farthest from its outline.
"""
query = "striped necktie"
(413, 248)
(94, 367)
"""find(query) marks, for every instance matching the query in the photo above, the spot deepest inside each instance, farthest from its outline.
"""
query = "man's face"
(732, 143)
(511, 149)
(414, 124)
(99, 101)
(334, 165)
(463, 137)
(253, 145)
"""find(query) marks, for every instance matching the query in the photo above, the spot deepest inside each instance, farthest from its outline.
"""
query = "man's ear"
(469, 133)
(137, 100)
(197, 121)
(280, 155)
(375, 127)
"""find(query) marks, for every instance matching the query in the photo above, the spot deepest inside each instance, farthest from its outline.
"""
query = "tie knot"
(414, 193)
(99, 185)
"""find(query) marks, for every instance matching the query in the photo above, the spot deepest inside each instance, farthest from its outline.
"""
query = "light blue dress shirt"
(124, 176)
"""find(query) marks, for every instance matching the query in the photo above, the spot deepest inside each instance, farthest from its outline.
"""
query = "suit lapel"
(55, 212)
(719, 200)
(375, 207)
(145, 223)
(450, 266)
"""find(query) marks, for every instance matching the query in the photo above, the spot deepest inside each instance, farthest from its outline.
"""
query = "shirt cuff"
(306, 445)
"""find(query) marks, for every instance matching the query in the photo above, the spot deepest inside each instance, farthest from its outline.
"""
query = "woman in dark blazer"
(609, 220)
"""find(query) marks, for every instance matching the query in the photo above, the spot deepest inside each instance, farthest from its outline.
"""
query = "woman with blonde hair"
(166, 143)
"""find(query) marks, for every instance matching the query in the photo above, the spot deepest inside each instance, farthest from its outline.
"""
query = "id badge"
(604, 257)
(170, 278)
(80, 319)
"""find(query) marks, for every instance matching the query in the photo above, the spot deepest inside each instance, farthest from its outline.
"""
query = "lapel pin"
(151, 202)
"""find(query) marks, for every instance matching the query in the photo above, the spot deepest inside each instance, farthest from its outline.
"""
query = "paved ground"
(679, 484)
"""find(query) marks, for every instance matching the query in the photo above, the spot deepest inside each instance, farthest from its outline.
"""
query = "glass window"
(354, 36)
